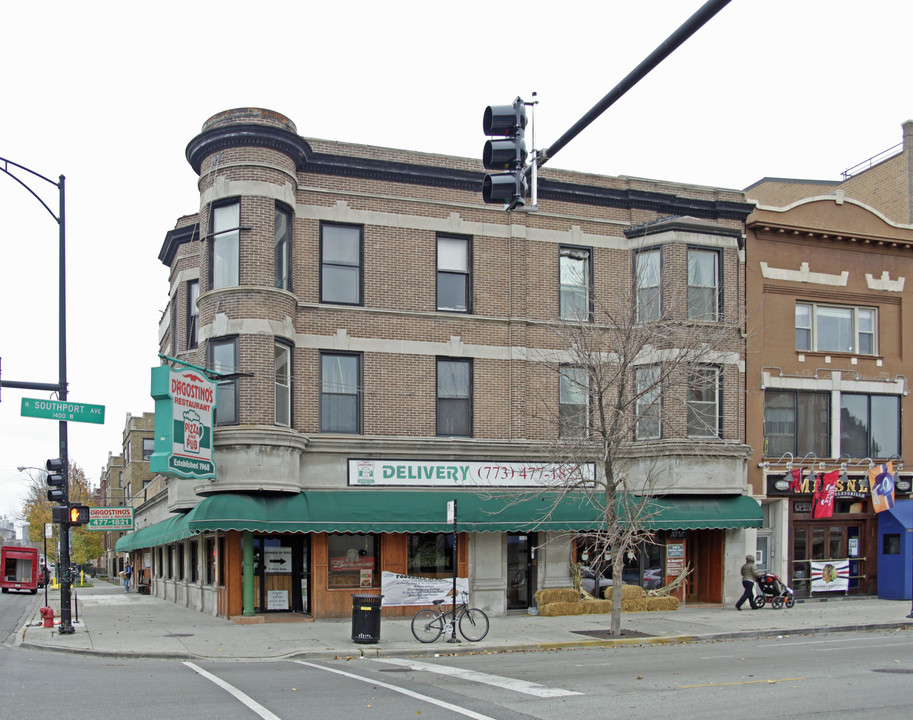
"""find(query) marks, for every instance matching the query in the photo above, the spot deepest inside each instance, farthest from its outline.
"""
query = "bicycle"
(429, 625)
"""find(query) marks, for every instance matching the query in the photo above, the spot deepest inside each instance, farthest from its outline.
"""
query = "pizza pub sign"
(185, 402)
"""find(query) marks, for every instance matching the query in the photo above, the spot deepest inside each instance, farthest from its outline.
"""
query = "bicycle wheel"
(474, 625)
(427, 626)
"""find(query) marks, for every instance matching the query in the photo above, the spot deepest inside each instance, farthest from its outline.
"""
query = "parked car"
(653, 579)
(588, 582)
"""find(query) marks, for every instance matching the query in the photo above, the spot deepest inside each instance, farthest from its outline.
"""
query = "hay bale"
(666, 602)
(556, 595)
(628, 592)
(561, 608)
(596, 607)
(634, 605)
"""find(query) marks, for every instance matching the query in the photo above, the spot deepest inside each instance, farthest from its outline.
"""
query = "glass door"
(521, 566)
(825, 541)
(281, 574)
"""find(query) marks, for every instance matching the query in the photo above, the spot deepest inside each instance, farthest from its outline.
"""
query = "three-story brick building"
(375, 327)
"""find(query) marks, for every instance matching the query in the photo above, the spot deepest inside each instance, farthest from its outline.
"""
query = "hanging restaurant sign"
(185, 402)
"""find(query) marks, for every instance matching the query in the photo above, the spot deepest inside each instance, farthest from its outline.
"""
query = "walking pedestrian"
(749, 573)
(128, 571)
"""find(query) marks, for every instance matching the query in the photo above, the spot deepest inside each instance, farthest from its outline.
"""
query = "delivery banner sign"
(406, 590)
(185, 402)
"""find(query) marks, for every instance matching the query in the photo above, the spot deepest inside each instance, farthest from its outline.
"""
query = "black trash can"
(366, 618)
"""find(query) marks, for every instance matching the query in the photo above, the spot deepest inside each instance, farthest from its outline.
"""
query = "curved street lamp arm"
(5, 168)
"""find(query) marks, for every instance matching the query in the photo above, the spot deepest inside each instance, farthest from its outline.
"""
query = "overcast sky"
(110, 93)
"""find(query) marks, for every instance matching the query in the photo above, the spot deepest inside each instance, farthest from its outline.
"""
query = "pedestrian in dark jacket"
(749, 573)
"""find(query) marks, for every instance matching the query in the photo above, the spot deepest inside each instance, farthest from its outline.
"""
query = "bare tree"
(639, 383)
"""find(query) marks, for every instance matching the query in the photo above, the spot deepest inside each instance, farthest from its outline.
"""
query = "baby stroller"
(774, 591)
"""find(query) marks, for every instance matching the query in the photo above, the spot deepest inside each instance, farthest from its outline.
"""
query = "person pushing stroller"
(750, 574)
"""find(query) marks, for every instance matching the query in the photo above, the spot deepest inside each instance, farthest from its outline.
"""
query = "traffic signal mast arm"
(685, 31)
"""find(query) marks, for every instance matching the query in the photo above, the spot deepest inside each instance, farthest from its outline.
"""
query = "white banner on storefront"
(401, 590)
(468, 473)
(830, 575)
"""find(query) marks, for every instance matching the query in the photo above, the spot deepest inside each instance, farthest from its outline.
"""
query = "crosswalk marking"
(409, 693)
(520, 686)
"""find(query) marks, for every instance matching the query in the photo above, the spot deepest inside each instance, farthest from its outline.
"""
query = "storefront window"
(179, 559)
(210, 560)
(221, 561)
(194, 561)
(642, 566)
(353, 561)
(431, 555)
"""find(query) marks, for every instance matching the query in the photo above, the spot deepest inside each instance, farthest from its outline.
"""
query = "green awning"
(161, 533)
(706, 512)
(392, 511)
(410, 511)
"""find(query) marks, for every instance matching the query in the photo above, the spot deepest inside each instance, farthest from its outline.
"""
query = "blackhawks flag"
(823, 500)
(881, 481)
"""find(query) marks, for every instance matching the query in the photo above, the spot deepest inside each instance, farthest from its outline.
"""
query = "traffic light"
(57, 481)
(79, 514)
(505, 151)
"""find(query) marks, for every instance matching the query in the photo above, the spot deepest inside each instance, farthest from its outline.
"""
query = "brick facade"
(402, 202)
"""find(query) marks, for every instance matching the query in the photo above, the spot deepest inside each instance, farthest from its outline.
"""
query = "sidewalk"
(108, 621)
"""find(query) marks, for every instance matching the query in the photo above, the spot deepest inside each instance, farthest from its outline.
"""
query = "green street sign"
(66, 411)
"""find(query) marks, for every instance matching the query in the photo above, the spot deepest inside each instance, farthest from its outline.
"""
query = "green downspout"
(247, 573)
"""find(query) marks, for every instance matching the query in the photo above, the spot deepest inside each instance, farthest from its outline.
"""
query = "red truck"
(19, 567)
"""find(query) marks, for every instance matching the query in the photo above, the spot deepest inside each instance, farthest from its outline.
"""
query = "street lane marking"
(878, 639)
(520, 686)
(234, 692)
(742, 682)
(403, 691)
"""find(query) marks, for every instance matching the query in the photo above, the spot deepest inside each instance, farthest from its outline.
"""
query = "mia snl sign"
(184, 404)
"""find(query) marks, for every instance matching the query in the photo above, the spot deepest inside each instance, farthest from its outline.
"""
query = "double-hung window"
(836, 328)
(647, 284)
(574, 278)
(282, 244)
(796, 422)
(454, 262)
(223, 358)
(148, 448)
(573, 402)
(225, 259)
(193, 313)
(340, 264)
(869, 425)
(704, 402)
(703, 284)
(283, 384)
(647, 403)
(340, 393)
(454, 397)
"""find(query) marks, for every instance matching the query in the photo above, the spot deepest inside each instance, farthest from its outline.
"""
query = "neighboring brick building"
(883, 182)
(374, 324)
(127, 482)
(828, 372)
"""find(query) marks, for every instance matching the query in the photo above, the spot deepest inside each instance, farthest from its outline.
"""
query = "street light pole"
(66, 621)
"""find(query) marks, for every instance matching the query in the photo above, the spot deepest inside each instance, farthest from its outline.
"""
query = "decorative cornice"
(297, 148)
(246, 135)
(174, 239)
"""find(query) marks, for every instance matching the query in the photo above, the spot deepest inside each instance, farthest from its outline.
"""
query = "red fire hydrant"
(47, 614)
